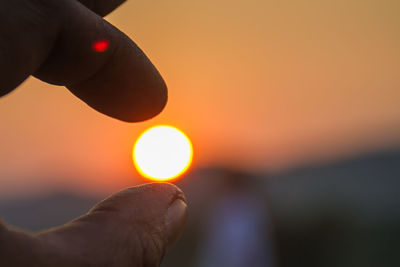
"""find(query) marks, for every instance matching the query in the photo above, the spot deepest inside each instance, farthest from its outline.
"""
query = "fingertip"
(127, 87)
(146, 200)
(160, 195)
(162, 190)
(114, 77)
(156, 214)
(173, 216)
(175, 221)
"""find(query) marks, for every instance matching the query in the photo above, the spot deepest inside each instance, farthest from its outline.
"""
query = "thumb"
(134, 227)
(155, 213)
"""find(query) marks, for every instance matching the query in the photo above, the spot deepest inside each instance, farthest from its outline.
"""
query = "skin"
(52, 40)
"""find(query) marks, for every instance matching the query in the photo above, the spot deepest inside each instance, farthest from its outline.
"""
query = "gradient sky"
(263, 84)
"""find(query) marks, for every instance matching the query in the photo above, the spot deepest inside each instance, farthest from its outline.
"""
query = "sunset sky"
(261, 84)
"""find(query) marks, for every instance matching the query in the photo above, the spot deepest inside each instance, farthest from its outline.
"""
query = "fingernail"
(175, 220)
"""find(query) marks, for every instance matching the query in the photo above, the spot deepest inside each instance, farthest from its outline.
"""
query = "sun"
(162, 153)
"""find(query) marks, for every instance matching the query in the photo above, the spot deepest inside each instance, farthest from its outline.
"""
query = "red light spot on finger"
(101, 45)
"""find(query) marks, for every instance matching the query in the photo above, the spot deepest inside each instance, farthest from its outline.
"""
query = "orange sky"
(264, 84)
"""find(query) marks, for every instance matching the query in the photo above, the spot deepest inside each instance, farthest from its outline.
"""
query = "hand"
(53, 40)
(132, 228)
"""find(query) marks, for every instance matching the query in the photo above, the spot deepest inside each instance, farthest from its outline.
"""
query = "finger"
(162, 204)
(18, 248)
(132, 228)
(102, 7)
(57, 45)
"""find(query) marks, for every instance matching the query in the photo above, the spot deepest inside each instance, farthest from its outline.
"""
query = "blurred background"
(293, 108)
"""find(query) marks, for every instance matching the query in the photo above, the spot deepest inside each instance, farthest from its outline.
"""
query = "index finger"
(54, 41)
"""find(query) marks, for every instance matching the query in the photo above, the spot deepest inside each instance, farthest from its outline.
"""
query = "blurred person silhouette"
(67, 42)
(237, 233)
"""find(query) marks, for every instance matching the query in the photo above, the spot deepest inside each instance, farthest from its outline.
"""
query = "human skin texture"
(53, 40)
(134, 227)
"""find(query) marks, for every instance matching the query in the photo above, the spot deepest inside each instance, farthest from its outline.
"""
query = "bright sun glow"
(162, 153)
